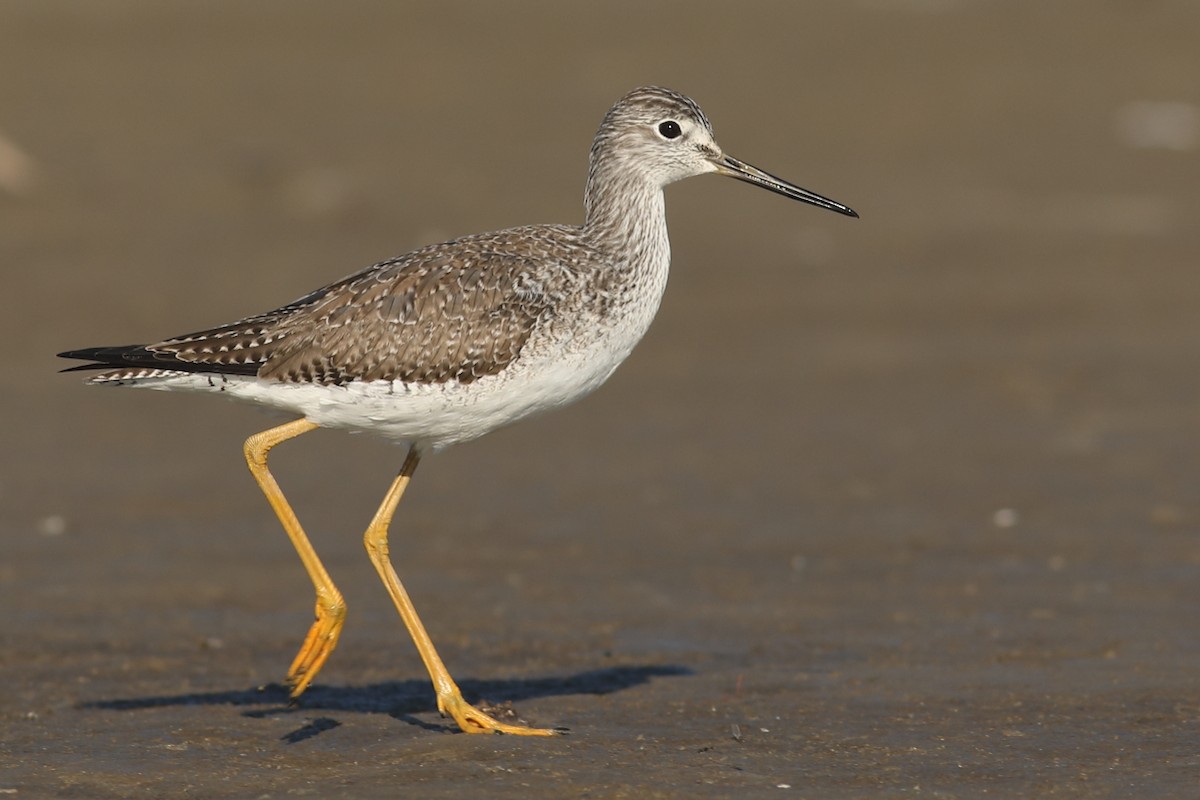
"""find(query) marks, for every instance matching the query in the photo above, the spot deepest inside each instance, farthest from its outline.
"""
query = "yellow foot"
(471, 720)
(322, 638)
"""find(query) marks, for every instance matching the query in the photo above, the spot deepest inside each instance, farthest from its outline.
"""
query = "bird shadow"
(401, 700)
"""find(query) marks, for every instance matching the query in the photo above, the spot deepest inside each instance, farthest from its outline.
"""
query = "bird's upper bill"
(728, 165)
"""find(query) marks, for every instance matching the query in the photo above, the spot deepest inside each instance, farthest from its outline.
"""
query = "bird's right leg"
(449, 697)
(331, 608)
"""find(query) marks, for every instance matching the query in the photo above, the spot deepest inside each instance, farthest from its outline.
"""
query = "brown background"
(904, 506)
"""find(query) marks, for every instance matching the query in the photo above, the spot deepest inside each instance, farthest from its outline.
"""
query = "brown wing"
(428, 320)
(454, 311)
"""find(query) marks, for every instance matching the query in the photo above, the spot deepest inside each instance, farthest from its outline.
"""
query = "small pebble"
(1005, 518)
(52, 525)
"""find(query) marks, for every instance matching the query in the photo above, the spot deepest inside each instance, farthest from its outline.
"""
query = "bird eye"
(669, 129)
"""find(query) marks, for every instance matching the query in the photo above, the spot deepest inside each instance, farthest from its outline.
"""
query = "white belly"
(434, 415)
(550, 373)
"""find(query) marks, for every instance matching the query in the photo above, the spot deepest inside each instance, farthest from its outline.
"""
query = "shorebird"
(453, 340)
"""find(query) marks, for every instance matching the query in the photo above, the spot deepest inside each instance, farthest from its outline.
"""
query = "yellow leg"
(331, 609)
(449, 697)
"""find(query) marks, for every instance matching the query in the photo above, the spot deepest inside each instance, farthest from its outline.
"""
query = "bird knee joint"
(332, 606)
(376, 543)
(255, 453)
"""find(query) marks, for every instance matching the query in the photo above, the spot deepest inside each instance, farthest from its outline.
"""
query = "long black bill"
(728, 165)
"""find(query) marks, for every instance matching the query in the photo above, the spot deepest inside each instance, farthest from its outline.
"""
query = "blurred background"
(918, 482)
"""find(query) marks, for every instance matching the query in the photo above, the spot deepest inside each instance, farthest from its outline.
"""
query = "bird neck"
(625, 214)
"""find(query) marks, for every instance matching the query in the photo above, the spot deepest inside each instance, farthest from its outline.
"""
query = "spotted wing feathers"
(457, 311)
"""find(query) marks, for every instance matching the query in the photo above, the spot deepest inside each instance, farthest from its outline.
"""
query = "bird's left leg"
(331, 608)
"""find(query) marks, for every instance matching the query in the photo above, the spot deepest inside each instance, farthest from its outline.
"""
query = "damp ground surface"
(899, 506)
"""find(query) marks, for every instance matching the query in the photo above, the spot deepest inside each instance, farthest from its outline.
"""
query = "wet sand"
(903, 506)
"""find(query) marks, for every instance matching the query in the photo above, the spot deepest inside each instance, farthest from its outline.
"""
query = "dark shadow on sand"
(399, 699)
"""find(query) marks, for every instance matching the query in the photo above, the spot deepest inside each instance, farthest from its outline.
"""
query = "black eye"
(669, 129)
